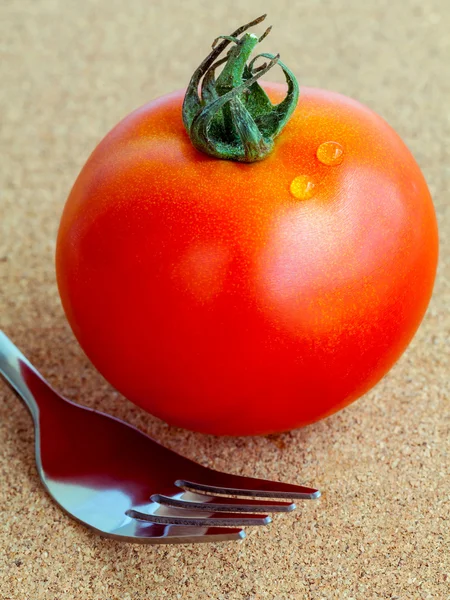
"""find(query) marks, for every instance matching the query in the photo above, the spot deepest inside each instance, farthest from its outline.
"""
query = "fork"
(121, 483)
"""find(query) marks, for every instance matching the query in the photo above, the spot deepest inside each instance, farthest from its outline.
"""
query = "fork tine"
(216, 519)
(153, 533)
(220, 504)
(225, 483)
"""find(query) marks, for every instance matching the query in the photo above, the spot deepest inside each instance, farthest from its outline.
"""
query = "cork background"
(69, 71)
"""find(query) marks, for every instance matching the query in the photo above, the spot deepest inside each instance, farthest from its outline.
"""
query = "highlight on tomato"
(244, 257)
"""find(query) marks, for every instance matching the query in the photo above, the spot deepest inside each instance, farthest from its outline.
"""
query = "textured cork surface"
(69, 71)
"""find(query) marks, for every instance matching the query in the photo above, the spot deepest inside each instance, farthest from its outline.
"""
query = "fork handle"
(13, 366)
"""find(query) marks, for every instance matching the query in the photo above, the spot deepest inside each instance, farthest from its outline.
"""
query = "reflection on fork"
(121, 483)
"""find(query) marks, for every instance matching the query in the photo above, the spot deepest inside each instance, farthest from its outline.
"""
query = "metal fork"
(119, 482)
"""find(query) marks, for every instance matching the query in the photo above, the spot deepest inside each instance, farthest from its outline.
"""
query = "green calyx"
(231, 117)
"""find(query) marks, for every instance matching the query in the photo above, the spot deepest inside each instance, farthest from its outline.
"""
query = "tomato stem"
(231, 117)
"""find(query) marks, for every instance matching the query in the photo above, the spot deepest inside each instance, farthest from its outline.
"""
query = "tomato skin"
(209, 295)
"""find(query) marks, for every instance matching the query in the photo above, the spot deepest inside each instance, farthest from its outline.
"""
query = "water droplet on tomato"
(330, 153)
(302, 187)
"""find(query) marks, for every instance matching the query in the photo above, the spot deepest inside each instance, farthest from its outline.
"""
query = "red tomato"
(235, 298)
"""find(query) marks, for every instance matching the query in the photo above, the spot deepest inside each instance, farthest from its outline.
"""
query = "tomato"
(233, 298)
